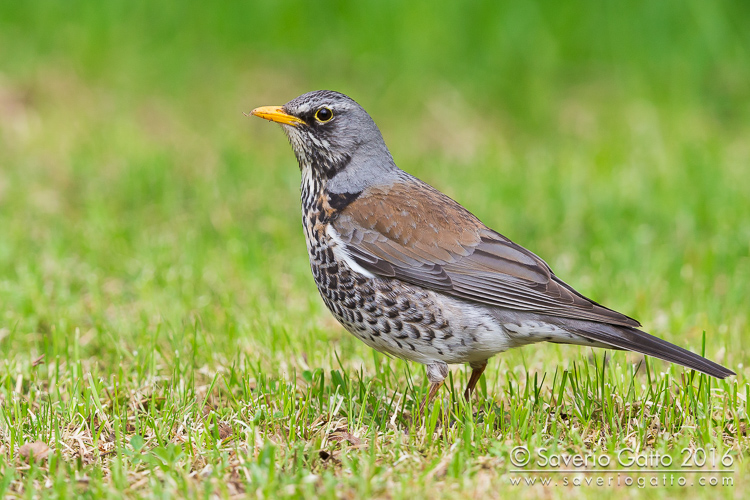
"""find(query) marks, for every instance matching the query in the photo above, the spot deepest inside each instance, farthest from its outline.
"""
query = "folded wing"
(413, 232)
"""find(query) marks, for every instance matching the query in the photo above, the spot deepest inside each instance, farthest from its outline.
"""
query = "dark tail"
(625, 337)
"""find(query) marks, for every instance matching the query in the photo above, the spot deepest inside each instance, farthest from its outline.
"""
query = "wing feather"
(412, 232)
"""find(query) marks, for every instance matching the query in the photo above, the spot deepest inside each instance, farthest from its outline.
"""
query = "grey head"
(335, 138)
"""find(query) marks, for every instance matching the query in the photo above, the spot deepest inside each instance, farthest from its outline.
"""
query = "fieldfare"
(412, 273)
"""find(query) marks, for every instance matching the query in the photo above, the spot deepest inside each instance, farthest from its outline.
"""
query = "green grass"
(159, 328)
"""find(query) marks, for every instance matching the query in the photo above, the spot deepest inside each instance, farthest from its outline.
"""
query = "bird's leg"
(434, 388)
(476, 372)
(436, 373)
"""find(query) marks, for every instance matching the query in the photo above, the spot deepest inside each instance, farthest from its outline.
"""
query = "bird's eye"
(324, 114)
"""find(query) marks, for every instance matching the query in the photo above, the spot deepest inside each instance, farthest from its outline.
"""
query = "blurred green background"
(150, 233)
(138, 204)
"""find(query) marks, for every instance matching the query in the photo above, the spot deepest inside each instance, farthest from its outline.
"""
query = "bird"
(415, 275)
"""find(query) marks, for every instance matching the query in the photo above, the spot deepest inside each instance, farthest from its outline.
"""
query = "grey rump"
(412, 273)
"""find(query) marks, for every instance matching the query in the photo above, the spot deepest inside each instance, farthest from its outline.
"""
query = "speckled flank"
(392, 317)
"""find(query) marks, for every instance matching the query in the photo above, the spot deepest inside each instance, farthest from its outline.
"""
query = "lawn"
(161, 334)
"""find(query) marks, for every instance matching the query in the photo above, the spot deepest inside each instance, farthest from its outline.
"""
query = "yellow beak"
(277, 114)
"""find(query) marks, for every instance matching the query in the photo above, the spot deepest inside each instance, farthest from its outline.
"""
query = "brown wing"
(413, 232)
